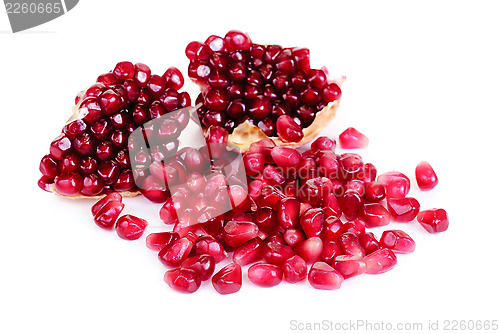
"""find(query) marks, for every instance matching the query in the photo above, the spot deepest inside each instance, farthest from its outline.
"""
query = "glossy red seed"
(173, 78)
(216, 138)
(265, 275)
(237, 233)
(277, 253)
(130, 227)
(331, 206)
(49, 167)
(288, 129)
(228, 280)
(351, 166)
(294, 269)
(183, 280)
(173, 255)
(287, 212)
(249, 252)
(111, 197)
(352, 138)
(269, 196)
(398, 187)
(323, 276)
(356, 226)
(312, 221)
(265, 218)
(386, 178)
(380, 261)
(349, 266)
(350, 244)
(369, 242)
(433, 220)
(108, 214)
(331, 92)
(293, 237)
(350, 203)
(157, 241)
(425, 175)
(286, 157)
(403, 209)
(331, 250)
(124, 70)
(236, 40)
(332, 228)
(142, 73)
(68, 183)
(207, 244)
(398, 241)
(323, 143)
(374, 191)
(374, 214)
(203, 264)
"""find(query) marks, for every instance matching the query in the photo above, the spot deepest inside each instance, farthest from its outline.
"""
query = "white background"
(422, 82)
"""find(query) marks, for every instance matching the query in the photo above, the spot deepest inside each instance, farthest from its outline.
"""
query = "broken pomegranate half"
(257, 91)
(90, 157)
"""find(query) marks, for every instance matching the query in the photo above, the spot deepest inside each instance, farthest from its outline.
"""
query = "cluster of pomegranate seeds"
(90, 157)
(272, 87)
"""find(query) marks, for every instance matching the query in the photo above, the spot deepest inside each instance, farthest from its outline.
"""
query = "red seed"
(374, 214)
(286, 157)
(331, 250)
(323, 276)
(288, 212)
(277, 253)
(157, 241)
(380, 261)
(352, 138)
(331, 206)
(228, 280)
(265, 275)
(403, 209)
(114, 196)
(173, 255)
(310, 249)
(350, 203)
(398, 241)
(250, 252)
(425, 175)
(107, 215)
(237, 233)
(374, 191)
(265, 218)
(294, 269)
(323, 143)
(293, 236)
(350, 244)
(332, 228)
(433, 220)
(369, 242)
(312, 222)
(207, 244)
(288, 129)
(349, 266)
(203, 264)
(254, 163)
(183, 280)
(356, 226)
(387, 177)
(130, 227)
(398, 187)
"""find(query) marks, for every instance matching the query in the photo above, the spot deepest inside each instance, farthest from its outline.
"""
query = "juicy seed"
(130, 227)
(398, 241)
(323, 276)
(352, 139)
(265, 275)
(294, 269)
(183, 280)
(433, 220)
(380, 261)
(228, 280)
(425, 175)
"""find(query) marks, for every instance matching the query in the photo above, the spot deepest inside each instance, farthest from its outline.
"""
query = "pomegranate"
(257, 91)
(91, 156)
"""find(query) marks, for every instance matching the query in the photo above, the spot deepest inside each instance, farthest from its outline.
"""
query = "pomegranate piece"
(288, 130)
(265, 274)
(349, 266)
(356, 226)
(380, 261)
(323, 276)
(331, 206)
(294, 269)
(157, 241)
(310, 249)
(425, 175)
(293, 237)
(374, 214)
(323, 143)
(265, 218)
(254, 163)
(403, 209)
(387, 177)
(288, 212)
(237, 233)
(332, 228)
(398, 187)
(433, 220)
(398, 241)
(228, 280)
(130, 227)
(250, 252)
(207, 244)
(331, 250)
(183, 280)
(350, 203)
(173, 255)
(111, 197)
(106, 217)
(203, 264)
(352, 138)
(369, 242)
(286, 157)
(374, 191)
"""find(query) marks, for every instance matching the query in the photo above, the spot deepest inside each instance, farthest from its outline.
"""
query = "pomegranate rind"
(245, 134)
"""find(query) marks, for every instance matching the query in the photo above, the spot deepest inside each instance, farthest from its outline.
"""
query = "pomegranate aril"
(349, 266)
(293, 237)
(265, 218)
(173, 255)
(330, 251)
(158, 241)
(269, 196)
(107, 215)
(386, 178)
(287, 212)
(351, 166)
(374, 191)
(273, 175)
(124, 70)
(310, 249)
(398, 187)
(254, 163)
(314, 190)
(49, 167)
(288, 129)
(356, 226)
(216, 138)
(425, 175)
(207, 244)
(323, 276)
(294, 269)
(380, 261)
(433, 220)
(183, 280)
(237, 233)
(403, 209)
(350, 244)
(323, 143)
(331, 92)
(374, 214)
(350, 203)
(369, 242)
(111, 197)
(228, 280)
(331, 206)
(265, 275)
(69, 183)
(250, 252)
(92, 185)
(398, 241)
(352, 138)
(203, 264)
(277, 253)
(312, 222)
(332, 228)
(286, 157)
(130, 227)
